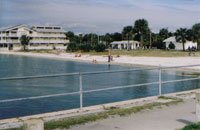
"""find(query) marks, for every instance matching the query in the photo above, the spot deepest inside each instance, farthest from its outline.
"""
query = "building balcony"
(10, 35)
(2, 35)
(35, 41)
(53, 41)
(12, 41)
(48, 36)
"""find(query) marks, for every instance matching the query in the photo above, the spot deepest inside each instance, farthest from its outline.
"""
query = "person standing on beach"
(109, 56)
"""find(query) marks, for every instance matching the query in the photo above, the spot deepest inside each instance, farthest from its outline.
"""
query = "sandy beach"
(127, 60)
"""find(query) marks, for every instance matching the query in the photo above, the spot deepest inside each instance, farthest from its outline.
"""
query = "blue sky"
(100, 16)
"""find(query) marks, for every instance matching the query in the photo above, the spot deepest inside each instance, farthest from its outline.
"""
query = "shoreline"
(122, 60)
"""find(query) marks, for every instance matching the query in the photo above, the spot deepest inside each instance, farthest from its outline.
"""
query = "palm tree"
(24, 39)
(182, 36)
(196, 34)
(70, 35)
(94, 38)
(108, 39)
(141, 27)
(116, 36)
(80, 37)
(127, 31)
(164, 33)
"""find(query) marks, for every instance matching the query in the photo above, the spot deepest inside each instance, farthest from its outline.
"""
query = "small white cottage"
(178, 45)
(125, 44)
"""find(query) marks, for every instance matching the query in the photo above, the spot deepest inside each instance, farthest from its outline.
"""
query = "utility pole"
(98, 39)
(150, 39)
(91, 38)
(80, 36)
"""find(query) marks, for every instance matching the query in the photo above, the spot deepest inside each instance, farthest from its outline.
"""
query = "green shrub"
(100, 47)
(54, 47)
(171, 45)
(85, 47)
(192, 127)
(159, 45)
(72, 46)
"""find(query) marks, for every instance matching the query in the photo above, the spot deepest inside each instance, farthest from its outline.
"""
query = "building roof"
(3, 28)
(173, 40)
(48, 29)
(124, 42)
(41, 29)
(170, 39)
(11, 27)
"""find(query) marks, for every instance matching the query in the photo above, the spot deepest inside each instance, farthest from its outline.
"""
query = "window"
(40, 27)
(14, 38)
(48, 27)
(57, 28)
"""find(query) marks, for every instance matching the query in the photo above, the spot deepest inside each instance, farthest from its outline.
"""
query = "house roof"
(173, 40)
(124, 42)
(170, 39)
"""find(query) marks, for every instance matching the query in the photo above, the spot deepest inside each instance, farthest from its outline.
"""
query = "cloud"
(100, 16)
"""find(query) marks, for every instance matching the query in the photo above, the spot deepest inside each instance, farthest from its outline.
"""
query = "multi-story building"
(38, 35)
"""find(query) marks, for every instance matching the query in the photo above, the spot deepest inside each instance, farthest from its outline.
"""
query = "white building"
(178, 45)
(45, 35)
(124, 44)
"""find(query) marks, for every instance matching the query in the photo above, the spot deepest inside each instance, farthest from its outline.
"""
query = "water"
(15, 66)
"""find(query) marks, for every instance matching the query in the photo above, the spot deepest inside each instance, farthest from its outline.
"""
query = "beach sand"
(126, 60)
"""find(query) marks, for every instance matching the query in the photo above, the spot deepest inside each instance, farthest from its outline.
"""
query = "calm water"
(14, 66)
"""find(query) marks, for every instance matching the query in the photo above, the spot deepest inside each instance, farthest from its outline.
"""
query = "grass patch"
(181, 94)
(167, 98)
(133, 53)
(192, 127)
(16, 129)
(66, 123)
(184, 94)
(145, 53)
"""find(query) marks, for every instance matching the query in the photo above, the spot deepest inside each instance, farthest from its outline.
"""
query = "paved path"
(166, 118)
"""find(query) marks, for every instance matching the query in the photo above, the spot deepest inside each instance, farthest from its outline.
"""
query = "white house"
(45, 35)
(124, 44)
(178, 45)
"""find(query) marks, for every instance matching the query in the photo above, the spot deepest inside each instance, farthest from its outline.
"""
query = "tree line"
(139, 31)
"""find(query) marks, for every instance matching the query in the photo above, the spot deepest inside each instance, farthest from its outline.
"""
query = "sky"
(100, 16)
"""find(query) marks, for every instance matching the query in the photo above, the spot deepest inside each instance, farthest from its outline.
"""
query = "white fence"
(81, 91)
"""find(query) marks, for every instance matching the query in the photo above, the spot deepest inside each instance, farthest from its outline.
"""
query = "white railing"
(81, 91)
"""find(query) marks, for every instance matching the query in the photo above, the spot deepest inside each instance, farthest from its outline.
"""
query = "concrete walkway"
(166, 118)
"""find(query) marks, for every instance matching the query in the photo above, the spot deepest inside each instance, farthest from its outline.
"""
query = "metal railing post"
(81, 92)
(160, 81)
